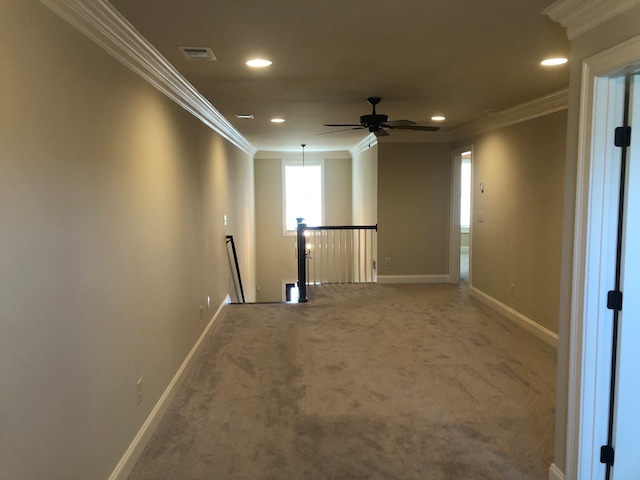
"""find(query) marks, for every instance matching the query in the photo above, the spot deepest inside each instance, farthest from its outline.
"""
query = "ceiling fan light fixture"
(553, 62)
(259, 63)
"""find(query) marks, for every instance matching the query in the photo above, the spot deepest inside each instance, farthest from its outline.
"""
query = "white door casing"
(602, 104)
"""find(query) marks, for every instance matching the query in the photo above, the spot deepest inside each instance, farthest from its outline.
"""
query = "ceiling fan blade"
(341, 130)
(342, 125)
(415, 127)
(381, 133)
(398, 123)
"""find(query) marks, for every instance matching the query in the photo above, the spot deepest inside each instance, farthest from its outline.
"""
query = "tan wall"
(414, 190)
(611, 33)
(111, 199)
(517, 221)
(275, 252)
(365, 187)
(338, 191)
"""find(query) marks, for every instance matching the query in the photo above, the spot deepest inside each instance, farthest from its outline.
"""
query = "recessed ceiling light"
(245, 117)
(277, 120)
(551, 62)
(259, 63)
(438, 118)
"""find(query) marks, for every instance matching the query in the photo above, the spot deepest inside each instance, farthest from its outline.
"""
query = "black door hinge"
(606, 455)
(623, 137)
(614, 300)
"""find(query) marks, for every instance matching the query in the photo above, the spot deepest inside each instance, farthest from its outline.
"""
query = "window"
(303, 197)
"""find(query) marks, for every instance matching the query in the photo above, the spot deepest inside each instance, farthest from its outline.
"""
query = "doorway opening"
(291, 292)
(465, 214)
(460, 221)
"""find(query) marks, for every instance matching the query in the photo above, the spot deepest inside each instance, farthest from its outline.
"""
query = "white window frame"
(307, 163)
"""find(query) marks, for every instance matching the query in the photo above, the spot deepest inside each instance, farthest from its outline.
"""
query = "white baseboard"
(555, 473)
(413, 279)
(130, 457)
(538, 330)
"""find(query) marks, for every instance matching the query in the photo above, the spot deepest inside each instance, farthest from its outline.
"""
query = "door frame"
(454, 222)
(601, 109)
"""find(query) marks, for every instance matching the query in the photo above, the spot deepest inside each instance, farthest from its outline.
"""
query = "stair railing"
(335, 254)
(235, 258)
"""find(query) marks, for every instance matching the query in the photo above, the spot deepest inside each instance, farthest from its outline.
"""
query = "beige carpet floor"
(363, 382)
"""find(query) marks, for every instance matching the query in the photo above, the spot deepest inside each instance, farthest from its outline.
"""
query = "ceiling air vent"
(198, 53)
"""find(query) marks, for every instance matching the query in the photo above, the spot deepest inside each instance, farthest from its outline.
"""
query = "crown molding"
(554, 102)
(580, 16)
(103, 24)
(309, 155)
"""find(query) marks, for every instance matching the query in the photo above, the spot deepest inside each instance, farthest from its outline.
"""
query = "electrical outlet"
(387, 261)
(139, 390)
(374, 264)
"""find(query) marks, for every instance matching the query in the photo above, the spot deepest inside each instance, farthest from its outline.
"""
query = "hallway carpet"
(373, 382)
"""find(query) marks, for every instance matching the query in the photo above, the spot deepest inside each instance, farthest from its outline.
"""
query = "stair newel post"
(302, 262)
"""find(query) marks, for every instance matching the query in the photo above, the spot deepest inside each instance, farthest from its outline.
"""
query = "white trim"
(538, 330)
(539, 107)
(103, 24)
(572, 452)
(130, 457)
(580, 16)
(555, 473)
(366, 143)
(393, 279)
(297, 155)
(589, 351)
(611, 62)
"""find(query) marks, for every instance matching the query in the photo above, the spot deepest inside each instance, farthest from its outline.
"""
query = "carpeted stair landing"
(375, 382)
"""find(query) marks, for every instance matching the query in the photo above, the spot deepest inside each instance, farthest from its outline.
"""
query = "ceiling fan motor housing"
(372, 122)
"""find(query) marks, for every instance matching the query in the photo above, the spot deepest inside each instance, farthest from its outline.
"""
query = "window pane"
(303, 195)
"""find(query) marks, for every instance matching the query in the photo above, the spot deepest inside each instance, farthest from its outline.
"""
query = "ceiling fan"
(376, 123)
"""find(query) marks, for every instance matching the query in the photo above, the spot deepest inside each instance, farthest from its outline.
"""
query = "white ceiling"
(458, 58)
